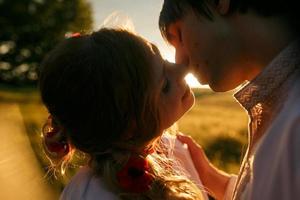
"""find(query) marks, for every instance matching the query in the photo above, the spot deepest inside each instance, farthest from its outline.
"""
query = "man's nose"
(181, 56)
(180, 71)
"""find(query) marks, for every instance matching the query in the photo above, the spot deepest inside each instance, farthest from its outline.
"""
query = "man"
(228, 42)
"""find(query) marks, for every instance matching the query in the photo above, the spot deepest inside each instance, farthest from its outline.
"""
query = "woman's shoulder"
(85, 185)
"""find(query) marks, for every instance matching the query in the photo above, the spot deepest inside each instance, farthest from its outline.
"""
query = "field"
(216, 122)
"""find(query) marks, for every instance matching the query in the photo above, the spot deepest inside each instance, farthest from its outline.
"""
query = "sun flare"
(168, 54)
(192, 81)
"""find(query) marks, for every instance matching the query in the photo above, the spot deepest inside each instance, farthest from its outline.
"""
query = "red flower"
(57, 148)
(55, 143)
(135, 176)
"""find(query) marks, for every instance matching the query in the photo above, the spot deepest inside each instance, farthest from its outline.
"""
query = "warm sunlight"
(168, 53)
(192, 81)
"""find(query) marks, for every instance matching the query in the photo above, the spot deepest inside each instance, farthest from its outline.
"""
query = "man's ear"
(223, 6)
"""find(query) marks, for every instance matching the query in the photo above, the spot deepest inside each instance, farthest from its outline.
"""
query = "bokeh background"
(29, 29)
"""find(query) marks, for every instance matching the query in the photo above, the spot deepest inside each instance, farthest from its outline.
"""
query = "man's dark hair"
(174, 10)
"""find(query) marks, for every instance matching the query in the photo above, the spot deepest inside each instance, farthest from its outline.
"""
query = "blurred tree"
(30, 28)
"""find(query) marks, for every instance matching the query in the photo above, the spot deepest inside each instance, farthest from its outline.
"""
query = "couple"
(112, 96)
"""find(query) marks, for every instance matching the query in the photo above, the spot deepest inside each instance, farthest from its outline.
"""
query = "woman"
(112, 96)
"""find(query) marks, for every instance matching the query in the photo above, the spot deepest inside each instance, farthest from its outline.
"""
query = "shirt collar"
(271, 77)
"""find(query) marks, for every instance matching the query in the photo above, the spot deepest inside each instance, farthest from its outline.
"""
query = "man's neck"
(262, 39)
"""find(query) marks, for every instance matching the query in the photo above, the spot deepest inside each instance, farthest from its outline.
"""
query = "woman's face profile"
(174, 96)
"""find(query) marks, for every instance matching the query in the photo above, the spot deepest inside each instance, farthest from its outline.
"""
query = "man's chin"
(202, 80)
(220, 87)
(216, 87)
(216, 84)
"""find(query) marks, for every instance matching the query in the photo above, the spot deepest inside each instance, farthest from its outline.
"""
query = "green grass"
(216, 122)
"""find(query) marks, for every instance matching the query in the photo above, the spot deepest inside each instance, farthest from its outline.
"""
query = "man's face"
(211, 48)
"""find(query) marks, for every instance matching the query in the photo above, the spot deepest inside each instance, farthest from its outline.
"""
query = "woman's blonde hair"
(98, 89)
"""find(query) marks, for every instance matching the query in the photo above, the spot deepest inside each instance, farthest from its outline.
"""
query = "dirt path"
(21, 177)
